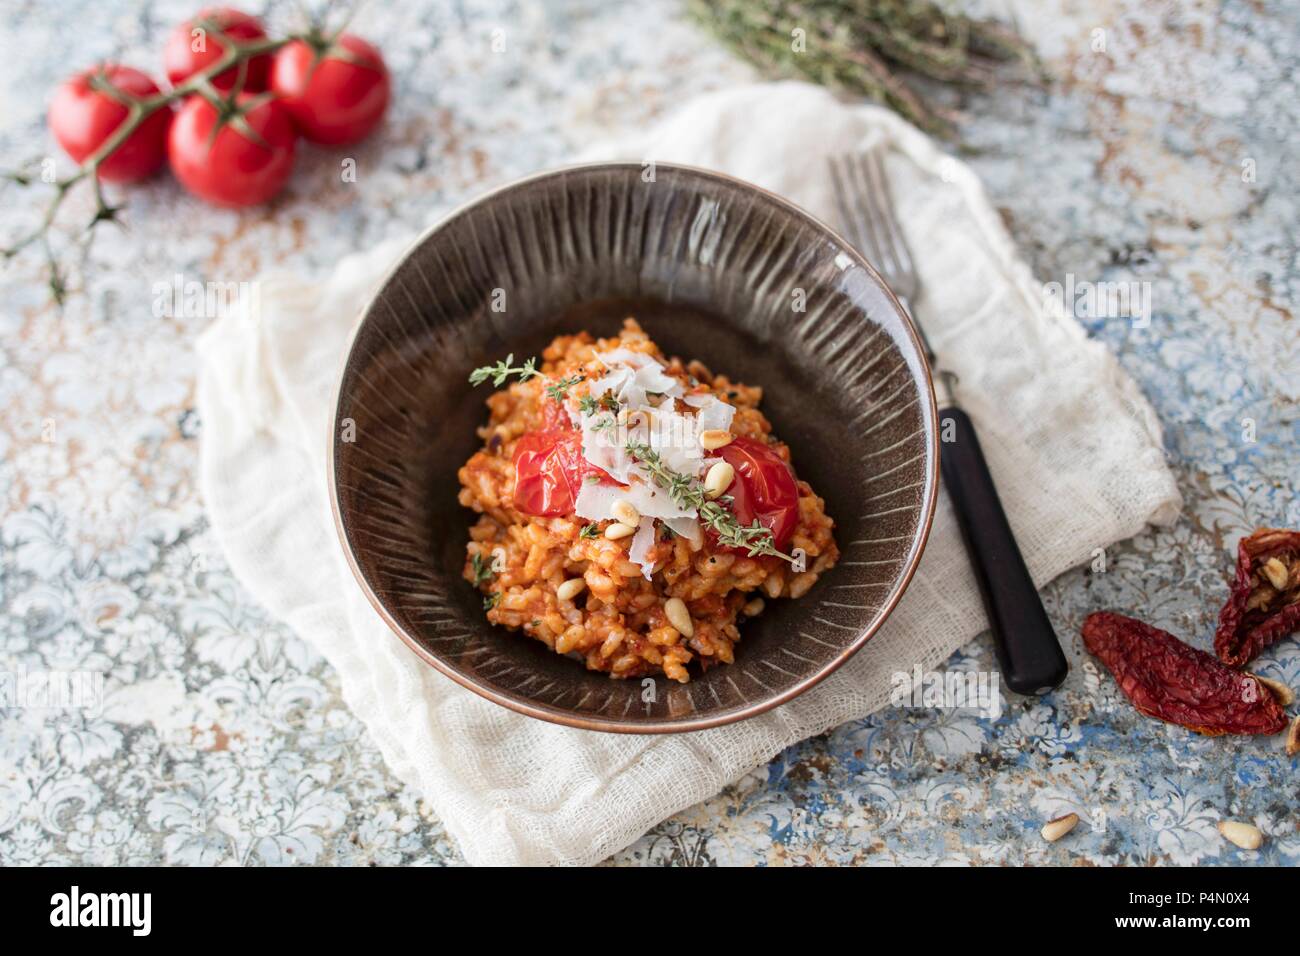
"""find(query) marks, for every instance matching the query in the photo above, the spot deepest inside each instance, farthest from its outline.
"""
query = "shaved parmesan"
(600, 447)
(687, 528)
(675, 437)
(715, 414)
(640, 383)
(626, 357)
(616, 380)
(596, 502)
(642, 542)
(652, 378)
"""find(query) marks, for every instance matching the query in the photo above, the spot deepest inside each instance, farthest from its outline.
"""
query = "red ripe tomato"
(81, 118)
(550, 471)
(181, 60)
(555, 417)
(763, 488)
(231, 169)
(337, 98)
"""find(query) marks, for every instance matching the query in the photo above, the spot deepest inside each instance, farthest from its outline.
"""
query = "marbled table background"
(1167, 158)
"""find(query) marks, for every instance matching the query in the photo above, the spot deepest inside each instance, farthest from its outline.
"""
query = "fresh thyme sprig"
(590, 530)
(558, 390)
(502, 371)
(873, 48)
(482, 569)
(591, 407)
(688, 493)
(492, 600)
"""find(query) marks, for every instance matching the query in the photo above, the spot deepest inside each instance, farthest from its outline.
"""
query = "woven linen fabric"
(1074, 447)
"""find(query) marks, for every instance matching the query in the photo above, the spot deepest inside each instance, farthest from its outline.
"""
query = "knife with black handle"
(1028, 652)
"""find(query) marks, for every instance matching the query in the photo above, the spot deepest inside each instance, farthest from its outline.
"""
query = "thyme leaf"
(560, 388)
(482, 569)
(591, 404)
(502, 370)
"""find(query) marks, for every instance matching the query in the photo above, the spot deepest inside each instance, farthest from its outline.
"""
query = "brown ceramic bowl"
(710, 266)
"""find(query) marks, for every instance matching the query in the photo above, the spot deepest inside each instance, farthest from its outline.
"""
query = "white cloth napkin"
(1072, 443)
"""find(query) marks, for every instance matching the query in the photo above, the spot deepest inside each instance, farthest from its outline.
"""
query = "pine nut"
(1285, 696)
(1053, 830)
(679, 617)
(1243, 834)
(625, 513)
(753, 608)
(712, 438)
(719, 478)
(570, 589)
(633, 418)
(619, 530)
(1276, 573)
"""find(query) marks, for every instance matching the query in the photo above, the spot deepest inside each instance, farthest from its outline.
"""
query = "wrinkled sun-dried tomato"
(1172, 681)
(1264, 603)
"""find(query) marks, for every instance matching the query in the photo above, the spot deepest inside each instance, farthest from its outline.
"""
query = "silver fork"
(862, 193)
(1027, 649)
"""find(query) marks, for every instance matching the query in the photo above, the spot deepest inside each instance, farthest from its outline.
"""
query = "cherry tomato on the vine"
(230, 169)
(338, 96)
(82, 118)
(764, 488)
(190, 48)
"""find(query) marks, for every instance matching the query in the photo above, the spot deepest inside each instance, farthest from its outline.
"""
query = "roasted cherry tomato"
(181, 59)
(763, 488)
(336, 96)
(550, 471)
(82, 117)
(230, 169)
(555, 417)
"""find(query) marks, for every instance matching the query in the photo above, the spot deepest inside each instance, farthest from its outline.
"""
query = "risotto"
(634, 509)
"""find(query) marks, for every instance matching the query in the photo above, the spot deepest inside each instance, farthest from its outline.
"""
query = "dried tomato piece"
(1172, 681)
(1264, 603)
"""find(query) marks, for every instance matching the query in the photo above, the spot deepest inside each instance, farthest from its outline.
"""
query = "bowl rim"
(568, 718)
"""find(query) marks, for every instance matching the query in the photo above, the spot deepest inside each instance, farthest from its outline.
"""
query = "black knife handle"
(1027, 649)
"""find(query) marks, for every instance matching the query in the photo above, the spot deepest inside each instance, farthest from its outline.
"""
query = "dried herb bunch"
(865, 47)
